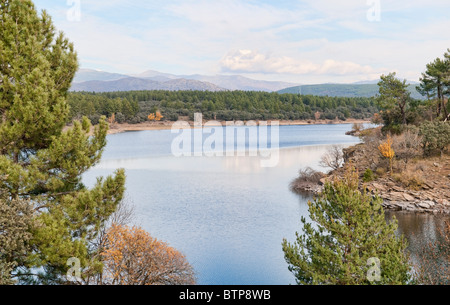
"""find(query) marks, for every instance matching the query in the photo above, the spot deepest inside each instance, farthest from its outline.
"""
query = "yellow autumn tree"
(158, 116)
(131, 256)
(387, 151)
(155, 116)
(112, 119)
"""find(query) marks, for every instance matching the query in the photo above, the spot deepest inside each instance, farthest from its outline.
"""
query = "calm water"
(228, 215)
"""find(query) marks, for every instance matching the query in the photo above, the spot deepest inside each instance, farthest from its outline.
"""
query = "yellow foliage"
(155, 116)
(112, 119)
(387, 151)
(133, 257)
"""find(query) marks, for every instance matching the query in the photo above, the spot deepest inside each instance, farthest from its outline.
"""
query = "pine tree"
(16, 223)
(349, 237)
(394, 96)
(435, 83)
(40, 161)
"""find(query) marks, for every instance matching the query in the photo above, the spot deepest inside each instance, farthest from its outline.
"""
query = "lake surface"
(228, 215)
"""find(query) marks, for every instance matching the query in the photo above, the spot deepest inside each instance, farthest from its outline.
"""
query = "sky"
(303, 42)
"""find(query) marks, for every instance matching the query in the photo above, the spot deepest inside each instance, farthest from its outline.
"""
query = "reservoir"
(228, 215)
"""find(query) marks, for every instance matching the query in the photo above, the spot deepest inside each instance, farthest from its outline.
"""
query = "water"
(228, 215)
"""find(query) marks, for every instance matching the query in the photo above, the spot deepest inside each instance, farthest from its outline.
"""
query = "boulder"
(408, 197)
(425, 204)
(396, 196)
(379, 187)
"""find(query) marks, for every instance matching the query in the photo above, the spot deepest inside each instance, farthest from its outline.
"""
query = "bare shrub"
(357, 127)
(372, 139)
(309, 175)
(307, 180)
(333, 158)
(407, 146)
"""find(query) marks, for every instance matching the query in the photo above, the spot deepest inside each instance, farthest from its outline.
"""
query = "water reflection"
(420, 230)
(228, 215)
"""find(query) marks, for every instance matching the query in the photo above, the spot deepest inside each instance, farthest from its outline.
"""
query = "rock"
(398, 189)
(408, 197)
(403, 205)
(390, 184)
(443, 202)
(378, 187)
(425, 204)
(427, 185)
(396, 196)
(428, 196)
(436, 164)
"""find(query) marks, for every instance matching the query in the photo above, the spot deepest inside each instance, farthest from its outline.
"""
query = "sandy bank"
(167, 125)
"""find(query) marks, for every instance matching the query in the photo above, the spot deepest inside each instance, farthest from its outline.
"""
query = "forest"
(135, 106)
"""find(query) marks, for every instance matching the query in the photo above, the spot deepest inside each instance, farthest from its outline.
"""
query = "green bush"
(368, 175)
(435, 136)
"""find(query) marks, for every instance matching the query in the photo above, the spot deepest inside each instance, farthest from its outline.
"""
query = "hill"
(343, 90)
(93, 81)
(85, 75)
(137, 84)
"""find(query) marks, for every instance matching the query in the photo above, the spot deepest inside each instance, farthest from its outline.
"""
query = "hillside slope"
(343, 90)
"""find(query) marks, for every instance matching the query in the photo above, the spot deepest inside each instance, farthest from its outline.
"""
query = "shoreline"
(431, 195)
(167, 125)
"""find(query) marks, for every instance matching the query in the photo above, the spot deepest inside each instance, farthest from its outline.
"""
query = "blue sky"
(306, 42)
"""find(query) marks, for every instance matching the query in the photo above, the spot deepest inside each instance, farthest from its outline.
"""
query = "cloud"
(249, 61)
(297, 41)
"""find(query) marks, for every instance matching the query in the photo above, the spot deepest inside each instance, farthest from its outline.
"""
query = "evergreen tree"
(40, 162)
(350, 237)
(394, 97)
(435, 83)
(16, 223)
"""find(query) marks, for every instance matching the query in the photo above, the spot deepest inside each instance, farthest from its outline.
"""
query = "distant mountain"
(237, 82)
(343, 90)
(376, 81)
(85, 75)
(134, 84)
(151, 74)
(91, 80)
(101, 81)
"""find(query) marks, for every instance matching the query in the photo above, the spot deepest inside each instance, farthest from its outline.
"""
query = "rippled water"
(228, 215)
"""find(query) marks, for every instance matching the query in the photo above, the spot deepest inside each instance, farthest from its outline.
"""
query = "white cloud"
(248, 61)
(299, 41)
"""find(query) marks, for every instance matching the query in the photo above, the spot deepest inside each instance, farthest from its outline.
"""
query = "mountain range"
(99, 81)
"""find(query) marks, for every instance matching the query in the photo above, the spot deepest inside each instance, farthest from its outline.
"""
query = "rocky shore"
(432, 198)
(430, 193)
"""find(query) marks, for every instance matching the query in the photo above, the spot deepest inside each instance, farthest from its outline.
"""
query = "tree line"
(135, 106)
(399, 110)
